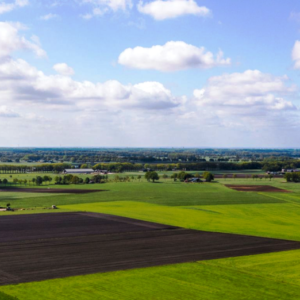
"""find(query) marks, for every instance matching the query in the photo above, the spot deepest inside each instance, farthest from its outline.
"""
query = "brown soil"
(49, 191)
(244, 175)
(45, 246)
(256, 188)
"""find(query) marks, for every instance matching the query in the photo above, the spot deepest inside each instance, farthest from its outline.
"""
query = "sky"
(151, 73)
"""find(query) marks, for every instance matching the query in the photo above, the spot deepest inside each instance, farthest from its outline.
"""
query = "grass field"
(204, 206)
(166, 193)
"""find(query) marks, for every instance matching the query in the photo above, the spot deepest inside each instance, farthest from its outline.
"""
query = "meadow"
(200, 206)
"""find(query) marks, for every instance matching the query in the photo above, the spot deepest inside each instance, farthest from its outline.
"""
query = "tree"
(224, 176)
(208, 176)
(174, 175)
(165, 176)
(234, 176)
(5, 181)
(152, 176)
(139, 177)
(87, 180)
(46, 178)
(39, 180)
(75, 180)
(292, 177)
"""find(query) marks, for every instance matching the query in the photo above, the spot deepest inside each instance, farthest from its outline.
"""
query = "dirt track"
(256, 188)
(45, 246)
(49, 191)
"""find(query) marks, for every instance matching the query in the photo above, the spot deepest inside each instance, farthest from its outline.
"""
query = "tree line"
(269, 165)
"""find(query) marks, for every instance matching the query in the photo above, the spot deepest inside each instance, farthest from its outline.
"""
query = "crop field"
(205, 208)
(256, 188)
(60, 245)
(49, 190)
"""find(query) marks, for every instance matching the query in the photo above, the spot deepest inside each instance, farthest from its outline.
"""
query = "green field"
(204, 206)
(165, 193)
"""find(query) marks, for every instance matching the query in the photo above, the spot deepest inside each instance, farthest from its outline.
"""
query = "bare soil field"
(49, 191)
(256, 188)
(46, 246)
(244, 175)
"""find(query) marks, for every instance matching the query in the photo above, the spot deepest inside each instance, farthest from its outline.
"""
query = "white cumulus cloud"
(63, 69)
(49, 17)
(241, 92)
(5, 112)
(7, 6)
(19, 82)
(11, 41)
(169, 9)
(296, 55)
(100, 7)
(172, 56)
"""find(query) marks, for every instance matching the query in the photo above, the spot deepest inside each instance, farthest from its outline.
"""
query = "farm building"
(78, 171)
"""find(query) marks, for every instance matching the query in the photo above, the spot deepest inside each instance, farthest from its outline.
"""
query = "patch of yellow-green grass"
(260, 277)
(278, 266)
(32, 211)
(267, 220)
(19, 195)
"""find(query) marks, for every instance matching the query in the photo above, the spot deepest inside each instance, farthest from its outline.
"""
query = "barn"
(78, 171)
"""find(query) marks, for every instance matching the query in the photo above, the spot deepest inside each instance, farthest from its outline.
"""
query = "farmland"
(85, 243)
(210, 207)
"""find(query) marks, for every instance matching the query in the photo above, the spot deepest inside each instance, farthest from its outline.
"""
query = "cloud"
(172, 56)
(170, 9)
(295, 16)
(101, 7)
(9, 6)
(7, 113)
(63, 69)
(95, 12)
(239, 109)
(296, 55)
(48, 17)
(11, 41)
(246, 93)
(19, 82)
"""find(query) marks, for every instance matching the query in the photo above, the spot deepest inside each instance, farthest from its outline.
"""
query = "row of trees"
(19, 169)
(67, 179)
(253, 176)
(292, 177)
(269, 165)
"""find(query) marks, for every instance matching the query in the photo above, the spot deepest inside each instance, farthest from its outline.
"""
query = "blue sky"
(129, 73)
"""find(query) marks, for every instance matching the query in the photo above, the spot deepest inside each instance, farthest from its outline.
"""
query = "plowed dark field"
(256, 188)
(49, 191)
(46, 246)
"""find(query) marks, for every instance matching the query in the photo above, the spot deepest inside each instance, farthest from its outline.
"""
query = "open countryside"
(149, 150)
(193, 226)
